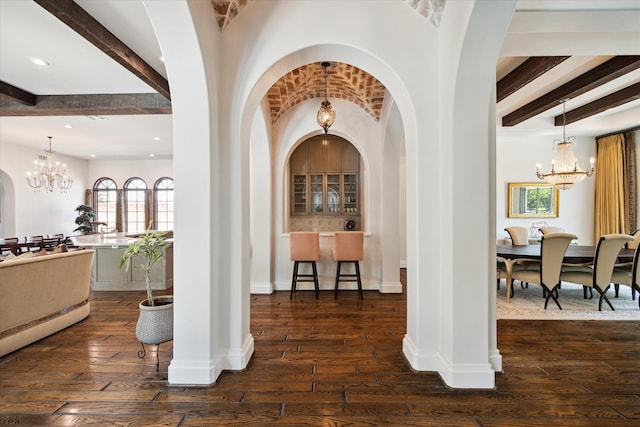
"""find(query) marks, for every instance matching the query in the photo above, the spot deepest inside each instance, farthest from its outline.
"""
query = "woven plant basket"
(155, 324)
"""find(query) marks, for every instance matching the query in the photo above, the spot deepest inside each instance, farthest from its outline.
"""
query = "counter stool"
(305, 248)
(348, 246)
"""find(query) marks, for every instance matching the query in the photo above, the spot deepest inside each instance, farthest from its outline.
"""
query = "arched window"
(135, 206)
(105, 195)
(163, 204)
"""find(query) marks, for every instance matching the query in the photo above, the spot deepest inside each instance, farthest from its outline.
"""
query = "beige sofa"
(41, 295)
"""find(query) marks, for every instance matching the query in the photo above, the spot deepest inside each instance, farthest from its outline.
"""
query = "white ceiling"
(77, 67)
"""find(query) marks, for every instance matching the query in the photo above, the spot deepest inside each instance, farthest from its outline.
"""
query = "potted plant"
(85, 219)
(155, 322)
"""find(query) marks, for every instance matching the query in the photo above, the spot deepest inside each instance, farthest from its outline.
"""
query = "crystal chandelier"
(565, 170)
(326, 114)
(48, 174)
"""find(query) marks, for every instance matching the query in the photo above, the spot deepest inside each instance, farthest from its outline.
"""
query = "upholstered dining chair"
(552, 249)
(501, 273)
(348, 247)
(635, 243)
(628, 266)
(546, 230)
(519, 235)
(629, 276)
(304, 248)
(598, 276)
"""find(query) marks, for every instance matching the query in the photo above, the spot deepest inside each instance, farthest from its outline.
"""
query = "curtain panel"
(611, 195)
(631, 169)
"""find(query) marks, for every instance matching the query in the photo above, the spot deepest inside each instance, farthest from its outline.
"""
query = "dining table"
(575, 254)
(16, 247)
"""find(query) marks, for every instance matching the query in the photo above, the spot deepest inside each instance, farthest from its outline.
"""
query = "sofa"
(41, 295)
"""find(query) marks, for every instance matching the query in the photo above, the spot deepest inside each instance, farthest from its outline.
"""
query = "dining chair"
(519, 235)
(598, 276)
(49, 243)
(33, 242)
(9, 245)
(546, 230)
(304, 248)
(547, 274)
(348, 247)
(632, 244)
(629, 276)
(503, 273)
(501, 269)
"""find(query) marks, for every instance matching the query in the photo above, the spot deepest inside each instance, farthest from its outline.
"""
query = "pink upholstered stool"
(348, 246)
(305, 248)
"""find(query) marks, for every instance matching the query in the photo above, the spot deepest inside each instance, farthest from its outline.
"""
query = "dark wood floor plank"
(323, 362)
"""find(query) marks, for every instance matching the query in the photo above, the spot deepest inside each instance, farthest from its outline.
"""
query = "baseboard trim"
(265, 288)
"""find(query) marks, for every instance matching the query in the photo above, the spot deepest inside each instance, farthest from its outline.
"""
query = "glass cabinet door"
(350, 192)
(333, 193)
(316, 194)
(299, 194)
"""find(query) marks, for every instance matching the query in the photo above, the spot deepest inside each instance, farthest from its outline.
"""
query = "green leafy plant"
(150, 247)
(85, 219)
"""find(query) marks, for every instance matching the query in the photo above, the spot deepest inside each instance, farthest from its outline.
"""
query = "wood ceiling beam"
(17, 94)
(525, 73)
(88, 27)
(615, 99)
(89, 105)
(603, 73)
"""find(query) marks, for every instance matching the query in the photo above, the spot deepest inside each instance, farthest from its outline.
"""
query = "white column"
(390, 204)
(261, 208)
(189, 57)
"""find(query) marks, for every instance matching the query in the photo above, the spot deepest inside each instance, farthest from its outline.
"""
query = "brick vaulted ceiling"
(344, 81)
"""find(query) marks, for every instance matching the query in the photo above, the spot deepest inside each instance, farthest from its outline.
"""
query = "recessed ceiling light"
(156, 138)
(68, 126)
(152, 155)
(40, 62)
(92, 155)
(162, 58)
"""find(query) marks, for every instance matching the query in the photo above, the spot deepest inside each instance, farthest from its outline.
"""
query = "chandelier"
(48, 174)
(326, 114)
(565, 170)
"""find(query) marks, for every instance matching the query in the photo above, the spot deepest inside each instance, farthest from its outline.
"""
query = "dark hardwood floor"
(323, 363)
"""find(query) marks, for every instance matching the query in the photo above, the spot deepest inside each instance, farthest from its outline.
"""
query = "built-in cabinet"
(324, 183)
(325, 194)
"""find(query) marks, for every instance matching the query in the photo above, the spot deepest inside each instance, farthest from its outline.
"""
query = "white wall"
(516, 162)
(121, 170)
(37, 213)
(25, 212)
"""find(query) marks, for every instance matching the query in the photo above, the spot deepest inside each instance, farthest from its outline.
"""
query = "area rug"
(528, 303)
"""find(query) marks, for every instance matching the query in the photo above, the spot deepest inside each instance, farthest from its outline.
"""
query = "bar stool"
(305, 248)
(348, 246)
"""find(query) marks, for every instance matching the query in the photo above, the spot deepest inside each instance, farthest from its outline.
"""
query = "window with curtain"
(163, 204)
(135, 205)
(105, 197)
(616, 185)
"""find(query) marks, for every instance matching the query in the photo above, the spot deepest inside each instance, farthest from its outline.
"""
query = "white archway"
(7, 205)
(214, 107)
